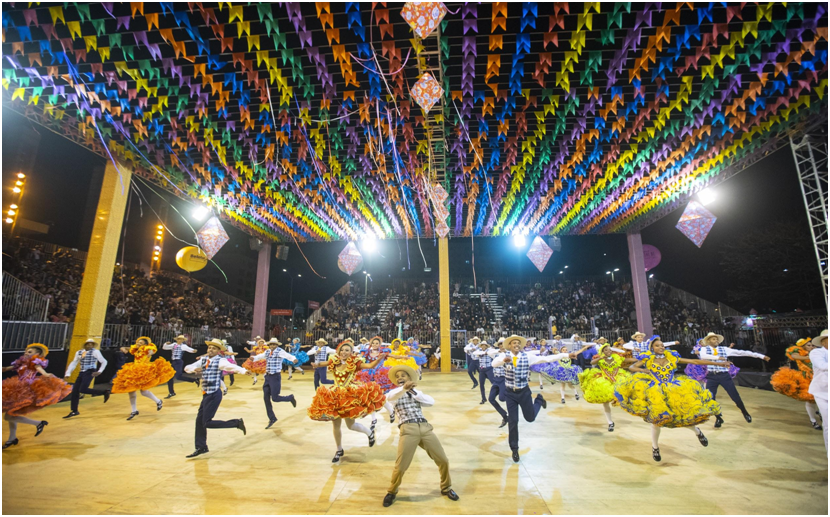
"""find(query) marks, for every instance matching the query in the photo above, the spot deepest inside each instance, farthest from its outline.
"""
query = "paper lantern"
(442, 229)
(427, 91)
(423, 17)
(212, 237)
(191, 258)
(350, 259)
(651, 256)
(539, 253)
(696, 222)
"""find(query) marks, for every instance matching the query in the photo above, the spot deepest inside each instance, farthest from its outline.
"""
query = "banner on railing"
(280, 312)
(312, 305)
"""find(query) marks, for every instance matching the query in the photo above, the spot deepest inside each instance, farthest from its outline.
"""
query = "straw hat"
(182, 336)
(274, 341)
(600, 340)
(475, 338)
(508, 339)
(642, 334)
(557, 336)
(398, 367)
(321, 341)
(218, 344)
(712, 334)
(363, 340)
(817, 339)
(44, 351)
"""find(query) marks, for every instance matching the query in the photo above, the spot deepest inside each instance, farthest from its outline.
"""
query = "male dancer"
(516, 378)
(497, 390)
(472, 364)
(211, 367)
(319, 361)
(485, 368)
(712, 350)
(818, 386)
(273, 379)
(415, 431)
(89, 357)
(638, 345)
(178, 348)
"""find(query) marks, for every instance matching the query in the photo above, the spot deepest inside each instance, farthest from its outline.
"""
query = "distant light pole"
(612, 273)
(366, 287)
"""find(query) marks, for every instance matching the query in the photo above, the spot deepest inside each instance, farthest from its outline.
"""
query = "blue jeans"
(530, 408)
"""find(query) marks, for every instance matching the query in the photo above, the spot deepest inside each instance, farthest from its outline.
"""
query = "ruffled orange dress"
(256, 367)
(143, 373)
(347, 398)
(29, 391)
(794, 383)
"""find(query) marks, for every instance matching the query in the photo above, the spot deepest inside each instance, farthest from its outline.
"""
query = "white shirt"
(818, 386)
(169, 346)
(533, 357)
(279, 352)
(420, 396)
(98, 356)
(631, 344)
(224, 365)
(316, 349)
(470, 348)
(730, 352)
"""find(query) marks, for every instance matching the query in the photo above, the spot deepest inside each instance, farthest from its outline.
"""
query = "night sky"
(61, 192)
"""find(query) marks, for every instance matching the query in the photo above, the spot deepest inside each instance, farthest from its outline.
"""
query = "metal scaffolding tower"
(810, 154)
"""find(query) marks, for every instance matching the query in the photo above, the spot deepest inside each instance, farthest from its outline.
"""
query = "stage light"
(18, 183)
(519, 240)
(784, 270)
(13, 206)
(706, 196)
(370, 244)
(11, 212)
(9, 220)
(651, 275)
(285, 271)
(157, 247)
(616, 270)
(299, 275)
(200, 212)
(155, 258)
(566, 267)
(160, 227)
(21, 175)
(16, 190)
(607, 272)
(561, 272)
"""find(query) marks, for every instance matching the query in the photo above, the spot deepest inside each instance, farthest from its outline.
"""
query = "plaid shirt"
(273, 360)
(408, 410)
(484, 361)
(88, 360)
(321, 353)
(722, 354)
(516, 377)
(211, 374)
(177, 352)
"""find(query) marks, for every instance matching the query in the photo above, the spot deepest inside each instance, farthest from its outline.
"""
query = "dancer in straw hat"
(178, 349)
(211, 367)
(88, 357)
(319, 354)
(818, 386)
(415, 431)
(713, 350)
(639, 345)
(273, 378)
(796, 383)
(472, 363)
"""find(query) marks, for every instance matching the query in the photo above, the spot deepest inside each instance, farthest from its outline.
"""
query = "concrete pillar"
(100, 261)
(639, 281)
(263, 271)
(444, 304)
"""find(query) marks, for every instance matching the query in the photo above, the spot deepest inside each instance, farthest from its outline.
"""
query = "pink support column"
(640, 283)
(263, 270)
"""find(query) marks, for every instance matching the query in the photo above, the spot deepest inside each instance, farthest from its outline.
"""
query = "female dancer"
(796, 383)
(562, 371)
(142, 374)
(348, 400)
(379, 375)
(29, 391)
(663, 399)
(415, 352)
(399, 354)
(302, 357)
(255, 367)
(598, 383)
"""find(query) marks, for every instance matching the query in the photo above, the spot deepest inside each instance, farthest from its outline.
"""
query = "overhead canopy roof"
(298, 121)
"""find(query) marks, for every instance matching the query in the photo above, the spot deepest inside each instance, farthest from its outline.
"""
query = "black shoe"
(702, 439)
(71, 414)
(503, 423)
(225, 392)
(9, 443)
(816, 426)
(483, 402)
(392, 418)
(541, 387)
(107, 396)
(747, 418)
(159, 405)
(451, 495)
(388, 500)
(293, 401)
(255, 379)
(302, 372)
(272, 422)
(611, 427)
(474, 386)
(544, 402)
(40, 426)
(232, 382)
(563, 400)
(576, 396)
(197, 452)
(132, 415)
(337, 456)
(718, 421)
(655, 453)
(372, 439)
(241, 427)
(515, 456)
(170, 396)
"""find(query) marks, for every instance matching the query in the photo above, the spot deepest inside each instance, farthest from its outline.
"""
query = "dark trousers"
(320, 377)
(204, 418)
(178, 365)
(485, 374)
(472, 368)
(271, 392)
(530, 408)
(715, 379)
(82, 386)
(497, 393)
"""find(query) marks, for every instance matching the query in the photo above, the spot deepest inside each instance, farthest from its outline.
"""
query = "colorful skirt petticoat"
(698, 371)
(301, 356)
(142, 375)
(792, 383)
(255, 367)
(681, 402)
(379, 375)
(557, 372)
(21, 398)
(355, 401)
(597, 388)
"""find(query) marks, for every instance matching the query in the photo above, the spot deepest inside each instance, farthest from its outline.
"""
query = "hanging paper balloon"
(191, 258)
(651, 256)
(350, 259)
(539, 253)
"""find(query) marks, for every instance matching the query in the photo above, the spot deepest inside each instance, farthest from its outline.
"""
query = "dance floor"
(99, 463)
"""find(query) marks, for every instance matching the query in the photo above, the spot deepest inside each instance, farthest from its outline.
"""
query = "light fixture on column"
(155, 263)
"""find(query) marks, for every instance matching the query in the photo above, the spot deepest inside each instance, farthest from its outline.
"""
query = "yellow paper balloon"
(191, 258)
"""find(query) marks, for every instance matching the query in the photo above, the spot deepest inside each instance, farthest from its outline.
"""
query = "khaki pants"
(412, 436)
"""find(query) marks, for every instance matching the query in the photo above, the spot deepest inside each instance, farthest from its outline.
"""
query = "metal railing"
(23, 302)
(17, 335)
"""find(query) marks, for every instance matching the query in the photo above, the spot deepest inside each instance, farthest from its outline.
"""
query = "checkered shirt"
(722, 354)
(322, 354)
(88, 360)
(498, 371)
(211, 374)
(408, 410)
(177, 352)
(273, 360)
(517, 377)
(485, 361)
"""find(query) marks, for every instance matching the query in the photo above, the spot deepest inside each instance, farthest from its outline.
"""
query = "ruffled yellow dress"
(794, 383)
(662, 398)
(143, 373)
(598, 383)
(402, 351)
